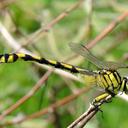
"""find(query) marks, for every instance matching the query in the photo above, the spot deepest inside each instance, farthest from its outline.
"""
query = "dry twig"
(49, 109)
(5, 3)
(84, 117)
(15, 45)
(81, 121)
(42, 31)
(108, 29)
(27, 96)
(104, 33)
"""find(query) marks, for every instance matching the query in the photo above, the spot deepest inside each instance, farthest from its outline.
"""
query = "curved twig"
(27, 96)
(81, 121)
(15, 45)
(85, 117)
(42, 31)
(49, 108)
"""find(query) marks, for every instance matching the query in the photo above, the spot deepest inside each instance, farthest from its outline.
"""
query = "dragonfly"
(106, 77)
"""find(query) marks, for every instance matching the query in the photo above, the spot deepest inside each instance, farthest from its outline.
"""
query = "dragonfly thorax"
(109, 80)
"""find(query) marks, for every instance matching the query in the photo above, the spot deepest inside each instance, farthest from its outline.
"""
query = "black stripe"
(1, 55)
(43, 61)
(15, 57)
(74, 70)
(115, 75)
(111, 81)
(119, 77)
(6, 56)
(105, 79)
(110, 92)
(103, 82)
(58, 65)
(101, 74)
(28, 58)
(124, 83)
(125, 80)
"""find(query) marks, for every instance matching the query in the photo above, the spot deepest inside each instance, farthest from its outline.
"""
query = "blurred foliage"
(22, 19)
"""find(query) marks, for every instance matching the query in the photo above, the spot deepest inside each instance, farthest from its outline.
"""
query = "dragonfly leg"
(112, 93)
(103, 98)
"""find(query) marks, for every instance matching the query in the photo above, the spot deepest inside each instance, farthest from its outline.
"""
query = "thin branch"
(42, 31)
(117, 7)
(85, 116)
(119, 38)
(15, 45)
(81, 121)
(85, 31)
(51, 108)
(5, 3)
(85, 120)
(104, 32)
(108, 29)
(36, 87)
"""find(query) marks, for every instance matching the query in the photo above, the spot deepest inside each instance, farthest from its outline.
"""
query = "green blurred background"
(24, 18)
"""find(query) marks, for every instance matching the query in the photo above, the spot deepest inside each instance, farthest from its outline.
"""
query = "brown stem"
(27, 96)
(42, 31)
(51, 107)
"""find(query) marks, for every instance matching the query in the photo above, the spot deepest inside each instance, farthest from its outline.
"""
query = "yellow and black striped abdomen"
(109, 80)
(10, 58)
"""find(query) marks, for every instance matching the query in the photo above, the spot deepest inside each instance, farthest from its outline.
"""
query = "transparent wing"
(83, 51)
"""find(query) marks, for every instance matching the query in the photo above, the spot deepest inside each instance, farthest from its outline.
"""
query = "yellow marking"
(66, 65)
(108, 72)
(122, 86)
(52, 62)
(114, 81)
(101, 81)
(36, 57)
(104, 81)
(89, 80)
(2, 59)
(101, 97)
(108, 80)
(117, 77)
(79, 69)
(11, 58)
(20, 55)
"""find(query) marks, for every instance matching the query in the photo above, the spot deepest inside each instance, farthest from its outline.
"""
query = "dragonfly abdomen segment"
(59, 65)
(10, 58)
